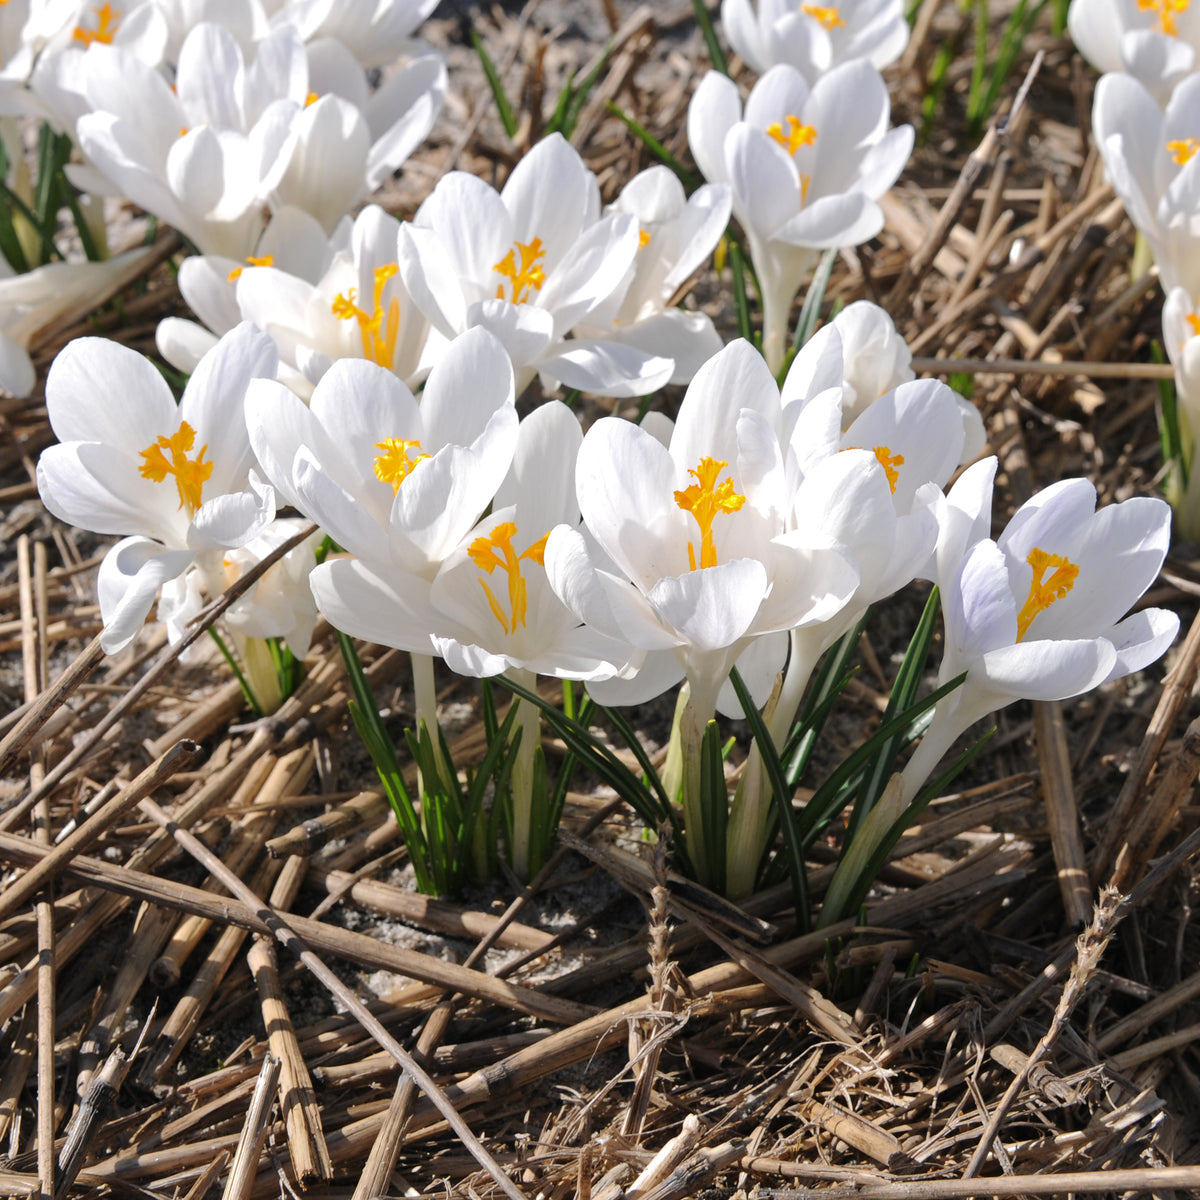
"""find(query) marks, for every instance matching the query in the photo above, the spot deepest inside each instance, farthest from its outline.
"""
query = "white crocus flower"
(345, 140)
(1036, 615)
(814, 38)
(1150, 156)
(390, 480)
(1154, 41)
(176, 479)
(700, 528)
(676, 235)
(529, 264)
(375, 33)
(492, 609)
(293, 242)
(320, 298)
(806, 167)
(195, 156)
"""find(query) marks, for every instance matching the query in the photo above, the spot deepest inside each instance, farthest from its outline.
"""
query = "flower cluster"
(365, 372)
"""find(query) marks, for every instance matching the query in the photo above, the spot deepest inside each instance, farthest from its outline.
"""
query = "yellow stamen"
(267, 260)
(190, 474)
(1182, 149)
(483, 554)
(797, 135)
(1166, 11)
(805, 180)
(1043, 594)
(107, 21)
(528, 275)
(1193, 320)
(643, 238)
(396, 459)
(889, 462)
(705, 499)
(311, 98)
(829, 18)
(378, 340)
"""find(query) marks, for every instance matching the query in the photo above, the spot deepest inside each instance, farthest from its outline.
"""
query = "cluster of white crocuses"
(577, 294)
(810, 153)
(1146, 120)
(213, 116)
(751, 532)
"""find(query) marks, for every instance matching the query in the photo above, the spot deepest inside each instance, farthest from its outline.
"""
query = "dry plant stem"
(287, 937)
(975, 170)
(302, 1117)
(385, 1150)
(164, 661)
(355, 947)
(56, 860)
(1177, 691)
(1027, 366)
(1155, 1180)
(51, 700)
(182, 1022)
(93, 1110)
(1089, 950)
(1154, 820)
(1062, 812)
(254, 1132)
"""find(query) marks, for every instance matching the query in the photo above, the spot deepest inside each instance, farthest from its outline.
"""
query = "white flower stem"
(529, 722)
(749, 819)
(425, 702)
(693, 721)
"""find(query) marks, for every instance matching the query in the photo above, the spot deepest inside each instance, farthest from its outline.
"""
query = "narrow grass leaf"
(508, 118)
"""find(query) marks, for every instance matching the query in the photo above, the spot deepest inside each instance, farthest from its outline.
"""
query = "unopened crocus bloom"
(1181, 336)
(700, 529)
(529, 264)
(1038, 614)
(176, 479)
(806, 166)
(814, 38)
(1154, 41)
(1150, 156)
(677, 233)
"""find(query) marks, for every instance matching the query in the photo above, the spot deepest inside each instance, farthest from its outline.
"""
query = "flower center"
(1182, 149)
(378, 339)
(705, 499)
(1193, 320)
(521, 278)
(1166, 11)
(643, 238)
(829, 18)
(311, 99)
(190, 474)
(797, 135)
(396, 459)
(107, 21)
(496, 550)
(267, 260)
(1044, 592)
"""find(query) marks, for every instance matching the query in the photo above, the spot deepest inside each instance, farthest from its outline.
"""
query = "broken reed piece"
(240, 1181)
(57, 859)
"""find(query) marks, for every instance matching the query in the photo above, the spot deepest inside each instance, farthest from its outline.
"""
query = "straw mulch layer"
(610, 1033)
